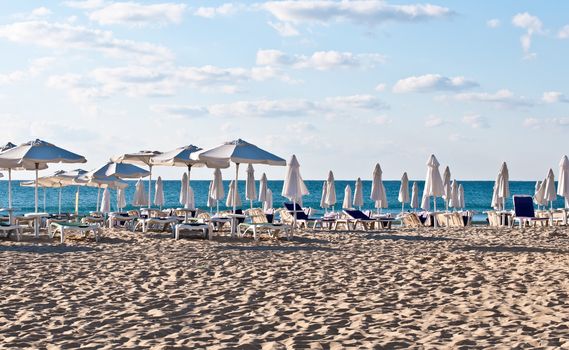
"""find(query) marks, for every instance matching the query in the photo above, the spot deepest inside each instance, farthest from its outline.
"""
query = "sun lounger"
(411, 220)
(524, 211)
(302, 219)
(357, 217)
(122, 219)
(62, 227)
(6, 229)
(158, 223)
(259, 223)
(202, 228)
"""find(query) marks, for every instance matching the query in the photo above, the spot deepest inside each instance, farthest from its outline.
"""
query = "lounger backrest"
(357, 214)
(411, 220)
(457, 220)
(523, 207)
(442, 219)
(204, 216)
(257, 216)
(300, 214)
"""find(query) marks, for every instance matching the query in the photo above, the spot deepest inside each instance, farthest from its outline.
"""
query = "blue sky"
(341, 84)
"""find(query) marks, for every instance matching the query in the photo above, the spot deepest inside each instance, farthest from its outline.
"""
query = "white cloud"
(503, 98)
(136, 14)
(41, 12)
(381, 120)
(367, 12)
(211, 12)
(300, 127)
(432, 82)
(320, 60)
(539, 123)
(475, 121)
(554, 97)
(84, 5)
(380, 87)
(563, 32)
(35, 68)
(284, 29)
(434, 121)
(532, 25)
(493, 23)
(67, 36)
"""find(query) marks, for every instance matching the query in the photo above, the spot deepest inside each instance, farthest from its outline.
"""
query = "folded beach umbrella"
(106, 201)
(331, 190)
(550, 193)
(294, 188)
(453, 200)
(433, 183)
(140, 199)
(504, 184)
(358, 194)
(497, 203)
(37, 154)
(323, 203)
(121, 199)
(377, 188)
(415, 196)
(563, 183)
(539, 194)
(159, 193)
(347, 202)
(140, 158)
(263, 188)
(250, 190)
(210, 200)
(403, 196)
(191, 204)
(460, 196)
(184, 190)
(382, 203)
(268, 203)
(217, 191)
(233, 199)
(239, 152)
(447, 187)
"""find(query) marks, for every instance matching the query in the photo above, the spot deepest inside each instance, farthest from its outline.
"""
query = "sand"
(473, 288)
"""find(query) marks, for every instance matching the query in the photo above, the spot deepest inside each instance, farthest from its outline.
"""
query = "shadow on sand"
(47, 249)
(408, 238)
(275, 248)
(509, 249)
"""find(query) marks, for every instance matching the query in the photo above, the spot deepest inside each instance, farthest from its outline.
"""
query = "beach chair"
(62, 228)
(443, 219)
(411, 220)
(6, 229)
(259, 222)
(123, 220)
(302, 219)
(524, 212)
(357, 217)
(202, 228)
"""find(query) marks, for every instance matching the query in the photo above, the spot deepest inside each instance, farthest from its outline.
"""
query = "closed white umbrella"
(539, 194)
(191, 204)
(159, 193)
(504, 184)
(433, 182)
(563, 182)
(263, 188)
(382, 203)
(453, 200)
(121, 199)
(550, 192)
(140, 199)
(377, 188)
(141, 157)
(217, 191)
(268, 203)
(184, 190)
(37, 154)
(461, 196)
(497, 202)
(233, 199)
(358, 194)
(415, 196)
(403, 196)
(331, 190)
(250, 190)
(447, 190)
(347, 202)
(294, 188)
(106, 201)
(210, 200)
(323, 203)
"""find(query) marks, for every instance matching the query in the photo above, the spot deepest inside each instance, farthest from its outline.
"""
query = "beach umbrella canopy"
(377, 184)
(210, 200)
(403, 196)
(120, 170)
(331, 190)
(179, 157)
(191, 204)
(294, 188)
(563, 183)
(497, 202)
(140, 199)
(550, 193)
(233, 199)
(415, 196)
(37, 154)
(263, 188)
(106, 201)
(121, 199)
(268, 203)
(504, 184)
(184, 190)
(323, 203)
(433, 184)
(460, 196)
(358, 194)
(217, 191)
(447, 186)
(347, 202)
(539, 194)
(250, 189)
(141, 158)
(453, 200)
(382, 203)
(159, 193)
(238, 152)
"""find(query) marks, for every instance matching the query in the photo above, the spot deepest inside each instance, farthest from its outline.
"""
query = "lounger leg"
(177, 233)
(255, 234)
(62, 235)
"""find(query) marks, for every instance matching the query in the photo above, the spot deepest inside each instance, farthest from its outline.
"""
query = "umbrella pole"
(188, 188)
(235, 196)
(10, 188)
(59, 201)
(150, 186)
(36, 189)
(77, 202)
(44, 209)
(435, 207)
(98, 197)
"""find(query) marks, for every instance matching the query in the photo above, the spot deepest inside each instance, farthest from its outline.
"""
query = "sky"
(342, 84)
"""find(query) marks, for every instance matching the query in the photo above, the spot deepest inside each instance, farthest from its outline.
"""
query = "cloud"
(563, 32)
(475, 121)
(503, 98)
(368, 12)
(212, 12)
(380, 87)
(340, 105)
(300, 127)
(67, 36)
(554, 97)
(432, 82)
(284, 29)
(35, 68)
(434, 121)
(493, 23)
(135, 14)
(532, 25)
(540, 123)
(320, 60)
(85, 5)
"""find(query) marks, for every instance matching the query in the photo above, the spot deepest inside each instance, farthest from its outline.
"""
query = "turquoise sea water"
(478, 195)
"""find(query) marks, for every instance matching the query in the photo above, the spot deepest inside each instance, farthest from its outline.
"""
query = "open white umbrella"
(233, 199)
(37, 154)
(106, 201)
(377, 188)
(217, 191)
(141, 157)
(120, 170)
(563, 182)
(461, 196)
(294, 188)
(121, 199)
(159, 193)
(331, 190)
(239, 152)
(268, 203)
(184, 190)
(263, 188)
(539, 194)
(323, 203)
(191, 204)
(550, 194)
(403, 196)
(415, 196)
(433, 183)
(347, 202)
(358, 194)
(140, 199)
(447, 190)
(250, 190)
(453, 200)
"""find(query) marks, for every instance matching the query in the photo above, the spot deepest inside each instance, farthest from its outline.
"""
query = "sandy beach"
(477, 287)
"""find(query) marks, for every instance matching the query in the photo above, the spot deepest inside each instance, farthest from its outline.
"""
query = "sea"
(477, 194)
